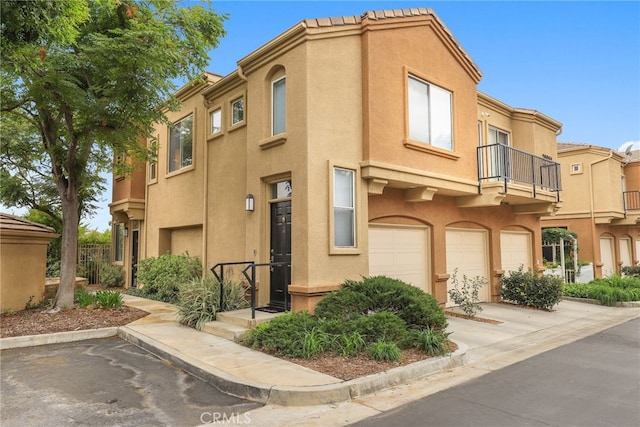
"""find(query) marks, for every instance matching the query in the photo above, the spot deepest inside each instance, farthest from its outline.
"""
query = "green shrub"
(315, 342)
(111, 276)
(83, 298)
(531, 290)
(379, 293)
(199, 300)
(160, 278)
(385, 351)
(350, 344)
(381, 326)
(283, 335)
(466, 295)
(108, 299)
(431, 341)
(633, 271)
(608, 291)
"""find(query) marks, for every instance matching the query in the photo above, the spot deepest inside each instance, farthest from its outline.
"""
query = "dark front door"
(134, 257)
(280, 254)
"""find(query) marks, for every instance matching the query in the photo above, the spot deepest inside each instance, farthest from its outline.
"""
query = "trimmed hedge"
(531, 290)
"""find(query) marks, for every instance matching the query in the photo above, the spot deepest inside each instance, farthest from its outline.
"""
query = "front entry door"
(134, 257)
(280, 253)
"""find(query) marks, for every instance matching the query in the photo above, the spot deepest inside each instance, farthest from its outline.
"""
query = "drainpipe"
(241, 74)
(594, 242)
(205, 196)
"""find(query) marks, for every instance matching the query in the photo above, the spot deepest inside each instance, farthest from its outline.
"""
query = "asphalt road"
(106, 382)
(592, 382)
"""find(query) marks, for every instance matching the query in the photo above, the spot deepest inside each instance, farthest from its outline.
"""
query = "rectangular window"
(430, 114)
(344, 218)
(278, 109)
(216, 121)
(181, 144)
(118, 243)
(237, 111)
(152, 171)
(497, 136)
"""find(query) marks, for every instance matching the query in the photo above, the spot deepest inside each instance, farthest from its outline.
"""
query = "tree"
(93, 77)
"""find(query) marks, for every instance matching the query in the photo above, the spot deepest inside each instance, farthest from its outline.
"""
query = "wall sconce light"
(249, 203)
(126, 232)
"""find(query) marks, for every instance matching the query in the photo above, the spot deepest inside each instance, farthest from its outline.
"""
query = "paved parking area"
(103, 382)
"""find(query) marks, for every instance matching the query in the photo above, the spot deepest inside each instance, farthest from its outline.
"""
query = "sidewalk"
(516, 334)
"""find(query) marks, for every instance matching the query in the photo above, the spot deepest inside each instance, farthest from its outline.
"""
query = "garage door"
(515, 249)
(607, 256)
(625, 252)
(467, 251)
(399, 252)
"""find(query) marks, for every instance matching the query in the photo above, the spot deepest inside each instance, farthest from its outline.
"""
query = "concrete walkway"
(514, 333)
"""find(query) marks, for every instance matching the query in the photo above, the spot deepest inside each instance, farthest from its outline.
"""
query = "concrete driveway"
(106, 382)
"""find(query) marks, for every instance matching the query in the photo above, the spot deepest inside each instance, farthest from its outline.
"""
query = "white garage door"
(625, 252)
(467, 251)
(399, 252)
(515, 249)
(607, 257)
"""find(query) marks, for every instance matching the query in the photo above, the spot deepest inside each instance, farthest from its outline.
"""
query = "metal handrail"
(251, 279)
(503, 163)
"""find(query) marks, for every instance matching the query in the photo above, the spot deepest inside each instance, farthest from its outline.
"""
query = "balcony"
(501, 163)
(631, 200)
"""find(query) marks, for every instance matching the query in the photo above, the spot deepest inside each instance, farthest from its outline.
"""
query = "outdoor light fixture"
(248, 203)
(126, 232)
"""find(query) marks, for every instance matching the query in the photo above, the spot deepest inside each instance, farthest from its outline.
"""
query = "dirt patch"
(476, 318)
(38, 321)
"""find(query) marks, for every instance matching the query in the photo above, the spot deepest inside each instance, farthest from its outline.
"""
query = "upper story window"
(237, 111)
(216, 121)
(497, 136)
(278, 107)
(430, 114)
(344, 211)
(181, 144)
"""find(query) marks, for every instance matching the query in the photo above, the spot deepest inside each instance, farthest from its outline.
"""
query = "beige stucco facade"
(23, 261)
(347, 109)
(596, 181)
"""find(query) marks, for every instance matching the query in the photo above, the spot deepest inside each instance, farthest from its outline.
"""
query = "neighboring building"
(601, 204)
(366, 149)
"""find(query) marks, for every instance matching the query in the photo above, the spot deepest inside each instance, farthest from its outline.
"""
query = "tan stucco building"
(601, 204)
(365, 148)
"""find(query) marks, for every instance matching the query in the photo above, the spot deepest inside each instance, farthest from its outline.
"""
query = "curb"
(295, 396)
(56, 338)
(621, 304)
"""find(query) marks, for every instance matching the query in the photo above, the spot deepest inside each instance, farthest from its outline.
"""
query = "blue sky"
(577, 62)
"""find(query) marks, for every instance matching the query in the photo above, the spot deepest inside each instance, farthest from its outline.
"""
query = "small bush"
(432, 342)
(199, 300)
(111, 276)
(632, 271)
(379, 293)
(385, 351)
(350, 344)
(83, 298)
(283, 335)
(160, 278)
(466, 295)
(531, 290)
(108, 299)
(315, 342)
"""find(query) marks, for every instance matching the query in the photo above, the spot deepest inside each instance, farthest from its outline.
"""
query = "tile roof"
(386, 14)
(16, 224)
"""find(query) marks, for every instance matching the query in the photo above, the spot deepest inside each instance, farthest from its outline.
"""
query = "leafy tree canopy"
(86, 79)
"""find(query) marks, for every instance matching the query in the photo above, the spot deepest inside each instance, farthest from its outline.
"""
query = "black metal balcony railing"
(631, 200)
(497, 162)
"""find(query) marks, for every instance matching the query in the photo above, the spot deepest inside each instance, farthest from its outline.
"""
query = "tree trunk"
(69, 259)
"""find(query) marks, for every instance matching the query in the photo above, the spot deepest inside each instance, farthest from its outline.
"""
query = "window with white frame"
(497, 136)
(344, 212)
(216, 121)
(237, 111)
(430, 114)
(181, 144)
(118, 242)
(278, 107)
